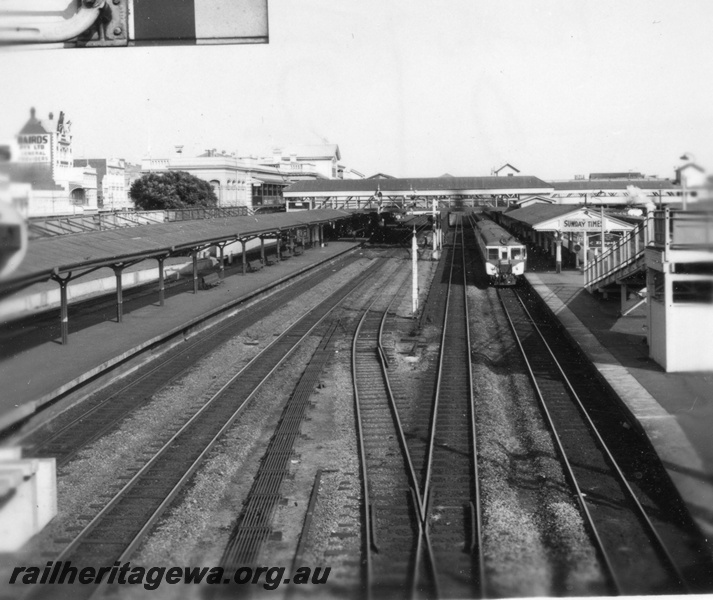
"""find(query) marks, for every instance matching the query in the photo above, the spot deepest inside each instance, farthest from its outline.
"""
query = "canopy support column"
(194, 258)
(245, 257)
(221, 261)
(262, 250)
(118, 269)
(64, 308)
(558, 255)
(161, 286)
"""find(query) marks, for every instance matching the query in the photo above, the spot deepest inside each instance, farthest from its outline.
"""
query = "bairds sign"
(35, 148)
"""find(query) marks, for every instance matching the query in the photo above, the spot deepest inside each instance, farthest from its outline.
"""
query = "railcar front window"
(504, 254)
(516, 252)
(492, 253)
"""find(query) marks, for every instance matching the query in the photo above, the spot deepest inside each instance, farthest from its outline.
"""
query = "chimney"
(32, 112)
(179, 149)
(51, 116)
(277, 155)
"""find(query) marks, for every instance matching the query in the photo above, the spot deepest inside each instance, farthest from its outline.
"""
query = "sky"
(411, 88)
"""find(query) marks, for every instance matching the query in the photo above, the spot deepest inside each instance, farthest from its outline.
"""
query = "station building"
(235, 181)
(43, 171)
(112, 192)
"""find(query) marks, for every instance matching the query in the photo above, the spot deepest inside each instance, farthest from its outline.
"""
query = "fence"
(53, 226)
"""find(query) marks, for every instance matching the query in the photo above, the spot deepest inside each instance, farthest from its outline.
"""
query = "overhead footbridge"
(416, 193)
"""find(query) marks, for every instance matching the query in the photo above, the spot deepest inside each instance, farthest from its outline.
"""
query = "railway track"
(451, 488)
(393, 506)
(120, 527)
(422, 496)
(632, 552)
(254, 522)
(105, 410)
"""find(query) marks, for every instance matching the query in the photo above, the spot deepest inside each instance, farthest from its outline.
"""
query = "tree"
(172, 189)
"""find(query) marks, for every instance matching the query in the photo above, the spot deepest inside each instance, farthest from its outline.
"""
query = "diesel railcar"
(504, 255)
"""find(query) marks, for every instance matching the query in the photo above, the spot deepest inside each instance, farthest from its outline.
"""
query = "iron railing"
(664, 229)
(68, 225)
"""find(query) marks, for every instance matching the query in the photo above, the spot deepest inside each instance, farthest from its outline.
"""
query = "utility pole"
(414, 273)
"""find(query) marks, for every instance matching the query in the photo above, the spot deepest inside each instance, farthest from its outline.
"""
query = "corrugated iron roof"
(419, 184)
(537, 213)
(612, 184)
(64, 254)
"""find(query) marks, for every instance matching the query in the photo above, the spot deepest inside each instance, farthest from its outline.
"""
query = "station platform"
(675, 410)
(33, 375)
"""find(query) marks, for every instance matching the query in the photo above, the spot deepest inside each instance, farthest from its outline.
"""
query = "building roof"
(313, 151)
(62, 254)
(34, 125)
(420, 185)
(505, 166)
(615, 175)
(381, 176)
(690, 165)
(612, 184)
(536, 213)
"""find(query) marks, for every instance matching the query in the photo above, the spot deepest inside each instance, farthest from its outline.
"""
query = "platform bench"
(254, 266)
(211, 280)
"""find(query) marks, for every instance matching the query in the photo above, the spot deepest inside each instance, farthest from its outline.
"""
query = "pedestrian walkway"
(675, 410)
(34, 376)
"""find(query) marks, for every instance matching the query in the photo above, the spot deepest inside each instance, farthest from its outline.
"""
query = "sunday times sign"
(35, 148)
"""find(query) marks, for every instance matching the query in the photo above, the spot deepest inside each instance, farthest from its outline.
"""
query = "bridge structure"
(418, 193)
(672, 250)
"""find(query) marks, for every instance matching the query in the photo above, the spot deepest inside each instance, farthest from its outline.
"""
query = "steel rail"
(434, 412)
(446, 334)
(370, 537)
(344, 292)
(471, 401)
(369, 526)
(565, 460)
(663, 550)
(267, 303)
(418, 500)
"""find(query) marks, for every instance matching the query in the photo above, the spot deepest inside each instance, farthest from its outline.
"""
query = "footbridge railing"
(681, 235)
(621, 260)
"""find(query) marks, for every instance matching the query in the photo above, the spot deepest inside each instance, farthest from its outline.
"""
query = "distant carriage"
(504, 255)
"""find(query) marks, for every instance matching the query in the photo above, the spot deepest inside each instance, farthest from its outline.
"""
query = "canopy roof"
(64, 254)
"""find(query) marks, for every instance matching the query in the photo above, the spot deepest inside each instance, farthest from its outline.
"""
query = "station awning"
(63, 254)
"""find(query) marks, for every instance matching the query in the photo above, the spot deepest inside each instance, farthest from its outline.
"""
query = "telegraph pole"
(414, 272)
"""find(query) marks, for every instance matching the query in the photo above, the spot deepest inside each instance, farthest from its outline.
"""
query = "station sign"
(582, 220)
(584, 224)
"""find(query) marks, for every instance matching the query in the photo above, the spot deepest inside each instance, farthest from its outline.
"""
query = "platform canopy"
(48, 257)
(563, 218)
